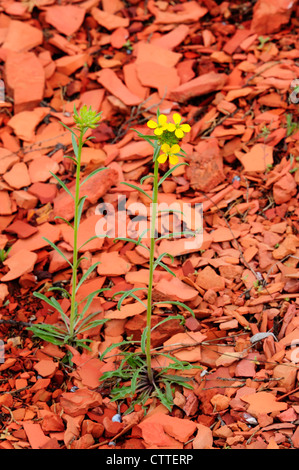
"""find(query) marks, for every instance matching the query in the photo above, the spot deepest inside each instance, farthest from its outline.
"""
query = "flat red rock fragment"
(188, 13)
(22, 37)
(21, 263)
(25, 80)
(56, 15)
(268, 17)
(202, 85)
(109, 80)
(109, 20)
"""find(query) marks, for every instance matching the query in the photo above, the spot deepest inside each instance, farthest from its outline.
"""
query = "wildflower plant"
(77, 322)
(135, 377)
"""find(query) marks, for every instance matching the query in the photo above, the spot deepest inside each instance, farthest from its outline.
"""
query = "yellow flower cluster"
(172, 132)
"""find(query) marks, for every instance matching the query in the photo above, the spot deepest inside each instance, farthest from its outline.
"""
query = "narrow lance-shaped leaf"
(138, 189)
(173, 317)
(115, 345)
(60, 289)
(145, 178)
(68, 128)
(168, 173)
(93, 173)
(58, 250)
(126, 294)
(71, 158)
(175, 302)
(143, 339)
(62, 184)
(64, 220)
(86, 274)
(80, 209)
(75, 145)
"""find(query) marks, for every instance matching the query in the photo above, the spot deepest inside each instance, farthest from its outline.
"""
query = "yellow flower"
(160, 126)
(169, 152)
(177, 127)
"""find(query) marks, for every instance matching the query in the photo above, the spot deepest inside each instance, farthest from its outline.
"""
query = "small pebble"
(116, 418)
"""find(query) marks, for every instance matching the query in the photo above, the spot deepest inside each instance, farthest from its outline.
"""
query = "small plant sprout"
(77, 322)
(262, 41)
(135, 377)
(4, 254)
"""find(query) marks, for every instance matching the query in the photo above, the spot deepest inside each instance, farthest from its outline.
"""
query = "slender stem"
(151, 272)
(76, 227)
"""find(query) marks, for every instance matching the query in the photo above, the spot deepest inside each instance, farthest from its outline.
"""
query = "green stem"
(76, 227)
(151, 272)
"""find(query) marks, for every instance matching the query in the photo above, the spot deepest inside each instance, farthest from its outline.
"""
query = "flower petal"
(162, 158)
(175, 148)
(158, 131)
(162, 119)
(176, 118)
(173, 159)
(179, 133)
(185, 127)
(152, 124)
(171, 127)
(165, 148)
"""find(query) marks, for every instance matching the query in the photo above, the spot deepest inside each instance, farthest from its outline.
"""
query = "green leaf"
(60, 289)
(116, 345)
(175, 302)
(47, 334)
(92, 324)
(163, 398)
(54, 304)
(64, 220)
(164, 266)
(131, 240)
(138, 189)
(127, 294)
(63, 185)
(88, 299)
(68, 128)
(145, 178)
(75, 145)
(160, 257)
(143, 339)
(86, 274)
(87, 241)
(71, 158)
(163, 178)
(173, 317)
(58, 250)
(92, 174)
(80, 208)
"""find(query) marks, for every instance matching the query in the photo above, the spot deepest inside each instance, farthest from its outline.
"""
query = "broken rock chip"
(79, 402)
(263, 402)
(269, 17)
(56, 15)
(207, 83)
(21, 37)
(284, 189)
(205, 170)
(25, 80)
(21, 263)
(208, 279)
(179, 429)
